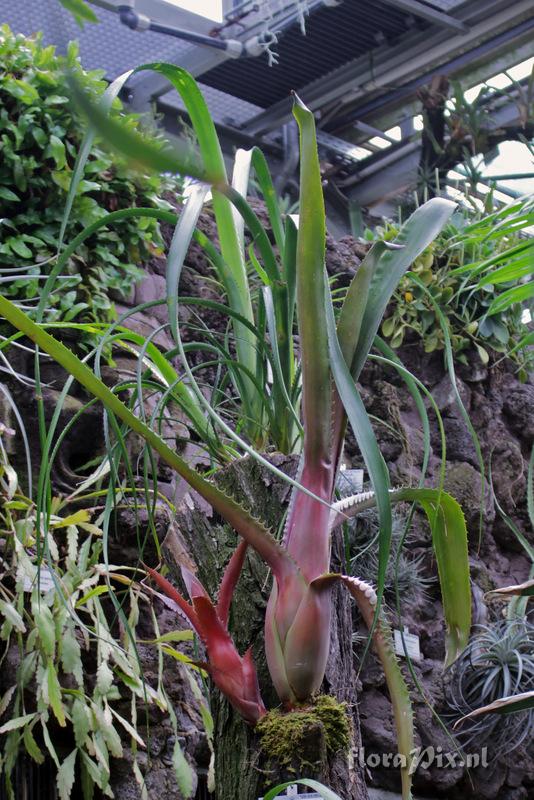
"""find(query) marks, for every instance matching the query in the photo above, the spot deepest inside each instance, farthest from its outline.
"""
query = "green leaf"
(94, 771)
(71, 657)
(86, 780)
(517, 294)
(416, 234)
(449, 539)
(501, 332)
(243, 522)
(181, 159)
(172, 636)
(113, 740)
(17, 722)
(44, 621)
(6, 698)
(10, 613)
(263, 176)
(31, 746)
(388, 327)
(363, 431)
(82, 515)
(211, 168)
(7, 194)
(56, 150)
(183, 771)
(22, 90)
(81, 159)
(81, 722)
(129, 728)
(52, 692)
(450, 362)
(482, 354)
(80, 11)
(96, 592)
(48, 741)
(313, 336)
(65, 776)
(19, 247)
(504, 705)
(104, 677)
(512, 271)
(179, 246)
(319, 788)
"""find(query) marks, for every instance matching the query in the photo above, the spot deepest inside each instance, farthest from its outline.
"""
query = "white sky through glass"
(212, 9)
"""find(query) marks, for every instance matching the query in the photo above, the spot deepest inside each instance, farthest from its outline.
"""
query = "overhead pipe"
(233, 48)
(140, 22)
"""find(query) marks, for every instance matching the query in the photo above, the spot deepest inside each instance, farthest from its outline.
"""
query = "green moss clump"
(283, 734)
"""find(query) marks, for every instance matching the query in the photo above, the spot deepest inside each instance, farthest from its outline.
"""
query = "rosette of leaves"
(405, 571)
(447, 275)
(40, 136)
(497, 663)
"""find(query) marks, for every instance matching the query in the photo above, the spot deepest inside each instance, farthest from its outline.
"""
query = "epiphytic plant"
(50, 638)
(497, 665)
(297, 625)
(476, 270)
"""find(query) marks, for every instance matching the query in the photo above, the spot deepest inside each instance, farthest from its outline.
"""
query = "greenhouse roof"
(359, 64)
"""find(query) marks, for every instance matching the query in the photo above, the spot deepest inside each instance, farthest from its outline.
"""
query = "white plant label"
(45, 581)
(410, 646)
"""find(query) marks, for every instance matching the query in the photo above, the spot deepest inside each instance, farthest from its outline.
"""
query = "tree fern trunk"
(242, 770)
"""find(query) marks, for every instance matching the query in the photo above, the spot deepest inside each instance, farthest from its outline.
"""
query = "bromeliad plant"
(332, 354)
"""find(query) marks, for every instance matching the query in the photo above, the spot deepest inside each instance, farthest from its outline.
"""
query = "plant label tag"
(44, 581)
(350, 481)
(410, 646)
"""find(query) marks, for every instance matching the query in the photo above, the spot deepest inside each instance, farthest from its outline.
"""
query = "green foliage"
(498, 663)
(40, 136)
(80, 11)
(449, 270)
(318, 788)
(55, 612)
(405, 573)
(293, 283)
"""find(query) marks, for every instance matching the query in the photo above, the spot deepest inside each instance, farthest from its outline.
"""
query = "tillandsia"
(332, 354)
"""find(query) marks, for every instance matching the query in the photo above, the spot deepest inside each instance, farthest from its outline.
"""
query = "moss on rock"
(302, 738)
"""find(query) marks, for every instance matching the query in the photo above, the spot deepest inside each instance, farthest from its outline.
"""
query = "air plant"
(496, 666)
(298, 616)
(509, 647)
(405, 572)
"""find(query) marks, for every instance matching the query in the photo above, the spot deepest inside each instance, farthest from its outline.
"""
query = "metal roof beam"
(164, 12)
(199, 59)
(394, 65)
(172, 119)
(460, 61)
(396, 168)
(402, 112)
(429, 13)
